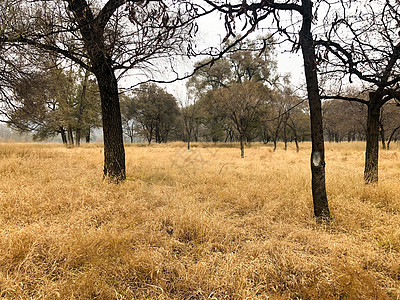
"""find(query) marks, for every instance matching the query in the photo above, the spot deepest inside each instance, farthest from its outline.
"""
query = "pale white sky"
(211, 32)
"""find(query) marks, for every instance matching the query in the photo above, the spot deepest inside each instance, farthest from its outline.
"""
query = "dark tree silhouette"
(365, 46)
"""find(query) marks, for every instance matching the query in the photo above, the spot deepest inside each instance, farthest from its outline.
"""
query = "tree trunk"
(382, 133)
(149, 133)
(101, 64)
(241, 146)
(227, 137)
(231, 136)
(284, 135)
(276, 138)
(321, 208)
(391, 137)
(196, 133)
(114, 152)
(157, 134)
(78, 137)
(70, 136)
(189, 134)
(63, 136)
(372, 147)
(297, 144)
(293, 127)
(189, 137)
(88, 135)
(295, 138)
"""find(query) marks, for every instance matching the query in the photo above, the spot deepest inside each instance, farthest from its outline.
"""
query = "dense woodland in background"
(237, 98)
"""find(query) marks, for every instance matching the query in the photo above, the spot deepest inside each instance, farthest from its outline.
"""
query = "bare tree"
(284, 113)
(108, 40)
(240, 104)
(274, 115)
(191, 116)
(367, 46)
(128, 118)
(151, 112)
(297, 11)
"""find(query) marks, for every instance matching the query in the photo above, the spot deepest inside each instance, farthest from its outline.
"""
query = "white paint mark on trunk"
(316, 158)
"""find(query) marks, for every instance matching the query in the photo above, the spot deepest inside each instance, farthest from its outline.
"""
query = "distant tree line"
(156, 116)
(238, 98)
(347, 121)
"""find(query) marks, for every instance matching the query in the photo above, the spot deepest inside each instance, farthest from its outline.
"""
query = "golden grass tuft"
(198, 224)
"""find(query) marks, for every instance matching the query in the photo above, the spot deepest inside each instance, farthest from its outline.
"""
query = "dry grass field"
(198, 224)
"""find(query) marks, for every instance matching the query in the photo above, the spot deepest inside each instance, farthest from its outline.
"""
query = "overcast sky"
(211, 32)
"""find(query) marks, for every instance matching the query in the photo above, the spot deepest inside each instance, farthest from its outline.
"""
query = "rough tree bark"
(321, 208)
(114, 152)
(92, 31)
(372, 136)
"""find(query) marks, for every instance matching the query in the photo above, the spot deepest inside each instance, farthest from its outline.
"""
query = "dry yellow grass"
(202, 224)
